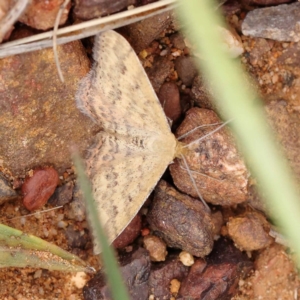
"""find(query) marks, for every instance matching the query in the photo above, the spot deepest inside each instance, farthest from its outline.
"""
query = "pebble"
(279, 22)
(169, 98)
(186, 69)
(90, 9)
(181, 221)
(186, 258)
(62, 195)
(42, 14)
(135, 270)
(156, 247)
(76, 238)
(142, 33)
(218, 169)
(38, 189)
(249, 231)
(178, 41)
(275, 270)
(6, 192)
(218, 276)
(129, 234)
(160, 70)
(76, 209)
(174, 286)
(162, 273)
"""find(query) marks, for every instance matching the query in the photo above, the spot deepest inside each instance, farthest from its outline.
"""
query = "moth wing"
(123, 175)
(117, 92)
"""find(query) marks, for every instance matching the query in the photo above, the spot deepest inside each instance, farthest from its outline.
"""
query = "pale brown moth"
(136, 144)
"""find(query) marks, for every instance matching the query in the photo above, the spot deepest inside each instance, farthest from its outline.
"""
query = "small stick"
(29, 215)
(12, 16)
(56, 24)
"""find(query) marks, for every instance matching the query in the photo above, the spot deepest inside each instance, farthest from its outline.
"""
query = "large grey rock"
(279, 23)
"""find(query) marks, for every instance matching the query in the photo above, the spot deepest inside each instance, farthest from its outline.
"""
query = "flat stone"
(279, 23)
(39, 120)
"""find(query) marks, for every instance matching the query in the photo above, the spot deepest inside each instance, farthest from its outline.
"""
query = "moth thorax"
(180, 149)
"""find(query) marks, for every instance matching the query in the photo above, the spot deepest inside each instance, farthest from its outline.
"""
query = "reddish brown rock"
(218, 276)
(156, 247)
(218, 170)
(162, 273)
(42, 14)
(89, 9)
(159, 71)
(5, 29)
(218, 221)
(38, 188)
(177, 41)
(186, 69)
(169, 98)
(129, 234)
(275, 275)
(39, 119)
(181, 221)
(286, 125)
(202, 93)
(249, 231)
(135, 269)
(142, 33)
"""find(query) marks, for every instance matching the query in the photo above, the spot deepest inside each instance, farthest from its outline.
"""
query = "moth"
(136, 144)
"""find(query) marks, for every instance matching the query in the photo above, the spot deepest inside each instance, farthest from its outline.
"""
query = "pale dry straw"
(136, 144)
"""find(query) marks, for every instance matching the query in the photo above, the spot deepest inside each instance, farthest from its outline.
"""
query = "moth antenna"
(194, 183)
(38, 212)
(208, 134)
(194, 129)
(202, 174)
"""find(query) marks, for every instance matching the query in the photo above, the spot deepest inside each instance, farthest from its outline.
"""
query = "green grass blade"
(257, 143)
(111, 268)
(18, 249)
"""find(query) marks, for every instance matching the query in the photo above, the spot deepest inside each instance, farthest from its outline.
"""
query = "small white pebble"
(164, 52)
(79, 280)
(62, 224)
(22, 221)
(176, 53)
(186, 258)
